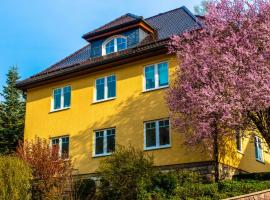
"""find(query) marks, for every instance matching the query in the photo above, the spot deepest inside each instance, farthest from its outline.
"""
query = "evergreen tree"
(12, 111)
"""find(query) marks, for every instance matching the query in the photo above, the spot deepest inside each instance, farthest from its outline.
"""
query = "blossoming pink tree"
(224, 71)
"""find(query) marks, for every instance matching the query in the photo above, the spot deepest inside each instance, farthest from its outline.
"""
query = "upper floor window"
(157, 134)
(61, 98)
(238, 141)
(105, 88)
(104, 142)
(60, 146)
(156, 76)
(258, 149)
(115, 44)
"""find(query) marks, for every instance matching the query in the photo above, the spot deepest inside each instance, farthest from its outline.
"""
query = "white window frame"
(158, 146)
(60, 145)
(105, 153)
(105, 89)
(115, 44)
(62, 99)
(156, 77)
(257, 139)
(241, 142)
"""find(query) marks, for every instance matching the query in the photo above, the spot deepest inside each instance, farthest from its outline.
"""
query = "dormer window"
(111, 45)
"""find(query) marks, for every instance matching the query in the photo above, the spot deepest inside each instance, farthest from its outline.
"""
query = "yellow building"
(112, 91)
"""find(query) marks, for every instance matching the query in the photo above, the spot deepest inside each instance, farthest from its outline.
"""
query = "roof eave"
(84, 68)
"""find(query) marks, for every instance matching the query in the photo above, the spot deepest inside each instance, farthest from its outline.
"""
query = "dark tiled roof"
(172, 22)
(127, 18)
(166, 24)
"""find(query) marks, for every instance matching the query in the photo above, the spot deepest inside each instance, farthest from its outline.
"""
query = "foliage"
(119, 181)
(225, 71)
(84, 189)
(15, 179)
(12, 111)
(52, 175)
(123, 173)
(263, 176)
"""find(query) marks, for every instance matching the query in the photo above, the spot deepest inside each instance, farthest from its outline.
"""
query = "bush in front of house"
(51, 174)
(129, 174)
(124, 173)
(84, 189)
(263, 176)
(15, 179)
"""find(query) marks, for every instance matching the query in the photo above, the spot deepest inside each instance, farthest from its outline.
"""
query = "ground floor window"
(157, 134)
(104, 142)
(258, 149)
(60, 145)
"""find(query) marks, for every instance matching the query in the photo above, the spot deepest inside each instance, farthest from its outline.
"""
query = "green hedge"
(15, 179)
(264, 176)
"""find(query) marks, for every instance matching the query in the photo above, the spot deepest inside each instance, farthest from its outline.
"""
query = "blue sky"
(36, 34)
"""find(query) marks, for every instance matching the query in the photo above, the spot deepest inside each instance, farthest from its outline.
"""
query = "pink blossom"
(224, 69)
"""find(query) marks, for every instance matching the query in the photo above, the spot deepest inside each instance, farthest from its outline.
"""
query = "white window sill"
(61, 109)
(260, 161)
(102, 155)
(240, 152)
(157, 147)
(103, 100)
(153, 89)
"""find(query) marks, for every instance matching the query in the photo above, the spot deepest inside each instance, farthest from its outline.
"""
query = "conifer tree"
(12, 111)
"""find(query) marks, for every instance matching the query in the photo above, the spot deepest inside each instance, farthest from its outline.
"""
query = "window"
(157, 134)
(258, 149)
(104, 142)
(61, 146)
(61, 98)
(114, 44)
(156, 76)
(238, 141)
(105, 88)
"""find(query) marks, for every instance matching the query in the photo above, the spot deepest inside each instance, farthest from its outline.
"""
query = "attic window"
(111, 45)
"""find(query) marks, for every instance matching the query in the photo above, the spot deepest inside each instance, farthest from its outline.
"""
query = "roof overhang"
(139, 23)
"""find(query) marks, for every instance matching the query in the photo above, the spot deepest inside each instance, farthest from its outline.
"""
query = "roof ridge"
(180, 8)
(125, 15)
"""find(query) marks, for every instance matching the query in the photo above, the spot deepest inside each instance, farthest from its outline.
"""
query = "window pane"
(150, 134)
(260, 149)
(238, 141)
(100, 85)
(67, 96)
(65, 147)
(164, 132)
(99, 142)
(150, 77)
(55, 147)
(163, 74)
(111, 86)
(121, 44)
(110, 47)
(57, 98)
(110, 140)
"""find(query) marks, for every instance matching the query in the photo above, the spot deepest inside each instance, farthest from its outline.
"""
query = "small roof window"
(114, 44)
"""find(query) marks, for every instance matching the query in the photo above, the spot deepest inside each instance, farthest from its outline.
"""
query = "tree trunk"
(215, 151)
(261, 120)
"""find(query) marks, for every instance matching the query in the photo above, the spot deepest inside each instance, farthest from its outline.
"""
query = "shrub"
(263, 176)
(15, 178)
(51, 174)
(84, 189)
(164, 182)
(124, 174)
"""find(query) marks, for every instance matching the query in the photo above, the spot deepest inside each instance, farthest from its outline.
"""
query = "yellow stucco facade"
(126, 113)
